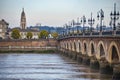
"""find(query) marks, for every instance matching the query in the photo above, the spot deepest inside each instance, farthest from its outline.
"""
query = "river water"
(45, 67)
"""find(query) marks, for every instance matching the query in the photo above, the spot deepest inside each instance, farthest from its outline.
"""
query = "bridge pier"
(66, 53)
(70, 54)
(94, 63)
(79, 58)
(86, 60)
(105, 68)
(74, 55)
(116, 72)
(63, 53)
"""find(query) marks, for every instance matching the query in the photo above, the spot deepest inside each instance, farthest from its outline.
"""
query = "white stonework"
(3, 29)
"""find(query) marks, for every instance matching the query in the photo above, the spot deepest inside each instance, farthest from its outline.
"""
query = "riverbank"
(28, 46)
(27, 51)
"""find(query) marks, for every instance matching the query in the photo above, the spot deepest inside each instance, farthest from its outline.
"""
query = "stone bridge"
(99, 51)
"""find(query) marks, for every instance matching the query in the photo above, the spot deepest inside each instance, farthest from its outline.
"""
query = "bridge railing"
(93, 34)
(117, 32)
(107, 33)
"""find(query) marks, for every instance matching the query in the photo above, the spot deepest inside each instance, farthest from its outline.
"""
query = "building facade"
(3, 29)
(23, 33)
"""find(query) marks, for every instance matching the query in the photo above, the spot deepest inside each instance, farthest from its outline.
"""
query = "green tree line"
(42, 34)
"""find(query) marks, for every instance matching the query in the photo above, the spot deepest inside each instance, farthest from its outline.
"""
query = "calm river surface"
(45, 67)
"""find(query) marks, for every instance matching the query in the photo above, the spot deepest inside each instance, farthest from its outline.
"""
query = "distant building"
(23, 33)
(3, 29)
(23, 20)
(34, 28)
(23, 30)
(47, 28)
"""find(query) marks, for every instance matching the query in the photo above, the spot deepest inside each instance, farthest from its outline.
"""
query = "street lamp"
(63, 30)
(91, 22)
(83, 21)
(100, 15)
(78, 24)
(69, 27)
(66, 27)
(73, 23)
(114, 17)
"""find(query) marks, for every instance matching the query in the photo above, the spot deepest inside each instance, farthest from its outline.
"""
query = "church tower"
(23, 20)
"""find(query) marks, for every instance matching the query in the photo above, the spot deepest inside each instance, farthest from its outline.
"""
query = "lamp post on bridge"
(69, 27)
(72, 24)
(66, 27)
(100, 15)
(91, 22)
(114, 17)
(63, 30)
(83, 21)
(78, 23)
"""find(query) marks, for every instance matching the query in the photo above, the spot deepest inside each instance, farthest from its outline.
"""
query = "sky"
(54, 12)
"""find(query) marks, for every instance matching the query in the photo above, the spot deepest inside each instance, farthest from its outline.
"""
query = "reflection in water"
(45, 67)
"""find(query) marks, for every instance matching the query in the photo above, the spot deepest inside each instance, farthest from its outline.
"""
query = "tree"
(54, 35)
(15, 34)
(43, 34)
(29, 35)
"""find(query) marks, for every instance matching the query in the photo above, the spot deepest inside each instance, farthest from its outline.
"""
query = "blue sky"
(54, 12)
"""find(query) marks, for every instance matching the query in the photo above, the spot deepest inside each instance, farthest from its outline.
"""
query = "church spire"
(22, 9)
(23, 20)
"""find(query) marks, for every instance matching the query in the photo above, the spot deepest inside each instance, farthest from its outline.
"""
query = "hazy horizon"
(54, 12)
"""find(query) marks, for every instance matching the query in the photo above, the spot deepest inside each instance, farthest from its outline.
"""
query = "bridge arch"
(74, 46)
(70, 45)
(60, 45)
(113, 53)
(84, 47)
(79, 46)
(91, 48)
(67, 45)
(101, 52)
(64, 45)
